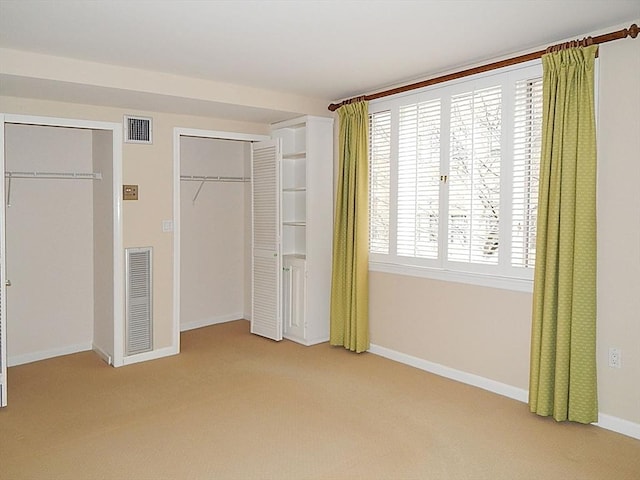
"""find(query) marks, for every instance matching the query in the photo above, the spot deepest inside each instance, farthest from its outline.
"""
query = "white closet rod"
(55, 175)
(206, 178)
(49, 175)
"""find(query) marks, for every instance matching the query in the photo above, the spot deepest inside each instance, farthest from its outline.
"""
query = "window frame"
(502, 275)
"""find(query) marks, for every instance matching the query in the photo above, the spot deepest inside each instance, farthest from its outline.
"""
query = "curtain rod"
(632, 32)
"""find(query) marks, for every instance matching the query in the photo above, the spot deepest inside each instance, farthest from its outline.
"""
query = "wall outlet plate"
(615, 358)
(130, 192)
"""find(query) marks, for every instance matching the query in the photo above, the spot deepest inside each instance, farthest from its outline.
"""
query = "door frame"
(178, 133)
(118, 250)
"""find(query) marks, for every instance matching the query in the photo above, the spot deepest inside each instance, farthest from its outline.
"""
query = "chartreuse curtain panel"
(563, 340)
(350, 273)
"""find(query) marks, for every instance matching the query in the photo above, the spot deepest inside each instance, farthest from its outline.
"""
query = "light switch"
(130, 192)
(167, 225)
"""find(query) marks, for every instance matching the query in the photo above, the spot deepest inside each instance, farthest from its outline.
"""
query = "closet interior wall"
(214, 240)
(103, 225)
(50, 243)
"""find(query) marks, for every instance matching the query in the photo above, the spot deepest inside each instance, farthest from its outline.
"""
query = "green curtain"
(563, 339)
(350, 275)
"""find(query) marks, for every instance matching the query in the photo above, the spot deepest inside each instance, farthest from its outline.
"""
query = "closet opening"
(61, 243)
(212, 227)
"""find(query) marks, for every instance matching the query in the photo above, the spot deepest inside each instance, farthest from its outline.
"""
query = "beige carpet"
(236, 406)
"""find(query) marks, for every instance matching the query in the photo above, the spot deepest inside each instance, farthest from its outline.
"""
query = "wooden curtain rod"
(632, 32)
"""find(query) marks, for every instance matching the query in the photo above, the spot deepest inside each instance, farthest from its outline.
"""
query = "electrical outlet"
(615, 358)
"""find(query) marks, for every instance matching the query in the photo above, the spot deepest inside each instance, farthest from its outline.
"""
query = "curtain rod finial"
(633, 31)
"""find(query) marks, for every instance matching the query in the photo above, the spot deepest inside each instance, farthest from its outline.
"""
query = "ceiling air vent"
(138, 129)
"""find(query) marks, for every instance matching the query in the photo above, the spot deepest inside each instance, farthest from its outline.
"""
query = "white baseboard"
(210, 321)
(44, 354)
(152, 355)
(306, 343)
(102, 354)
(619, 425)
(607, 422)
(453, 374)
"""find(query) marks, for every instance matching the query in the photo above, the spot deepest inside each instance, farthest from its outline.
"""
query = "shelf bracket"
(9, 190)
(195, 197)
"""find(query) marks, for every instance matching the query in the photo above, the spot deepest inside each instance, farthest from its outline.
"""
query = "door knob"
(7, 283)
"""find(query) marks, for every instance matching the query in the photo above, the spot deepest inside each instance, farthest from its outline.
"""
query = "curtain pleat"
(563, 338)
(350, 274)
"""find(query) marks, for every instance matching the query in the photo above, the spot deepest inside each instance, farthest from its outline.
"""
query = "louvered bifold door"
(139, 331)
(3, 279)
(266, 316)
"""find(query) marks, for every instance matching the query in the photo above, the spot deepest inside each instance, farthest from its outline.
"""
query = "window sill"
(484, 280)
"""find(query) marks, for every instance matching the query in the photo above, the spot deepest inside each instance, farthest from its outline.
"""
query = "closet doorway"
(212, 236)
(61, 251)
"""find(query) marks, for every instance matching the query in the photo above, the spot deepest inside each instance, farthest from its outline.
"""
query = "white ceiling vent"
(138, 129)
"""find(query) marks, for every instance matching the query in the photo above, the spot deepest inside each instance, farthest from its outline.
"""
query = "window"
(454, 179)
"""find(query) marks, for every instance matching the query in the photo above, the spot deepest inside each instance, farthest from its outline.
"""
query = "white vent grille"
(138, 301)
(138, 129)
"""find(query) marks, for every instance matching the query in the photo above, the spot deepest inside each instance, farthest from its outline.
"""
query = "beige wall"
(486, 331)
(79, 78)
(49, 243)
(212, 232)
(478, 330)
(619, 227)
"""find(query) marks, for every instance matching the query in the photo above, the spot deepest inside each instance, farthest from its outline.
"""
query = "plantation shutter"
(474, 176)
(454, 178)
(526, 166)
(266, 319)
(418, 179)
(379, 181)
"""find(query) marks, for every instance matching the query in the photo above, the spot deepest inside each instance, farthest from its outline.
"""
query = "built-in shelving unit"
(306, 189)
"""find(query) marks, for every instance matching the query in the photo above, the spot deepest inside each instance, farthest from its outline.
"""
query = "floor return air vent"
(139, 318)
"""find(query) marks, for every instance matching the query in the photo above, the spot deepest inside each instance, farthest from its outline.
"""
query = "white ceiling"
(331, 49)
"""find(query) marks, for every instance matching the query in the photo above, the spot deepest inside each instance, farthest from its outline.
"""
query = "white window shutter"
(474, 176)
(454, 178)
(418, 179)
(527, 143)
(379, 181)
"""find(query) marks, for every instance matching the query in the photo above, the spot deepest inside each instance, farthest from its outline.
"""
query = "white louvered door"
(3, 278)
(266, 269)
